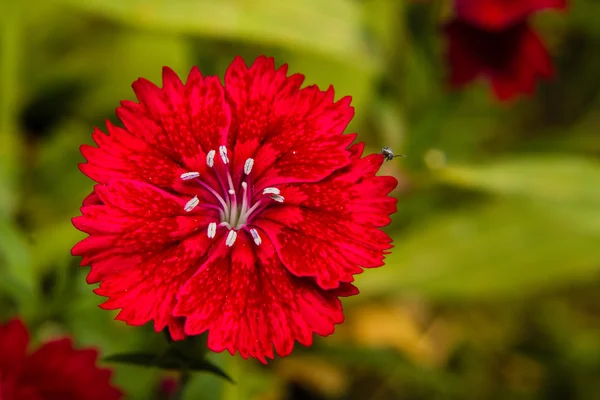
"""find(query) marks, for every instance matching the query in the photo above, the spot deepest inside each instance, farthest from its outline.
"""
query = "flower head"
(492, 39)
(54, 371)
(512, 59)
(242, 210)
(501, 14)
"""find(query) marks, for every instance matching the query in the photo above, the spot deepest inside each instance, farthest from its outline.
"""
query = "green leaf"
(565, 186)
(554, 178)
(18, 278)
(581, 15)
(142, 359)
(140, 54)
(508, 248)
(330, 27)
(171, 360)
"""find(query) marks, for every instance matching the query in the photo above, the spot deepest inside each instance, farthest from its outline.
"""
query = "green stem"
(231, 391)
(184, 379)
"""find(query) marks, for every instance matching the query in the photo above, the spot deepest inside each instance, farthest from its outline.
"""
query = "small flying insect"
(389, 155)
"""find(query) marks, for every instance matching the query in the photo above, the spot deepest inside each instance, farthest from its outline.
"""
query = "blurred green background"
(492, 290)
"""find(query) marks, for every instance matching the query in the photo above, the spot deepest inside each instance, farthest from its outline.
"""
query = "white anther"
(278, 198)
(244, 185)
(212, 229)
(248, 166)
(231, 191)
(256, 237)
(186, 176)
(190, 205)
(271, 190)
(223, 153)
(231, 236)
(210, 158)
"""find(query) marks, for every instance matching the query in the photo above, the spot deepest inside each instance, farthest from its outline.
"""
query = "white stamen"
(190, 205)
(256, 236)
(244, 185)
(278, 198)
(186, 176)
(271, 190)
(231, 236)
(223, 153)
(212, 229)
(231, 191)
(248, 166)
(210, 158)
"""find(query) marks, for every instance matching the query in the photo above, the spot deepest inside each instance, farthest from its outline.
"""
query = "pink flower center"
(236, 207)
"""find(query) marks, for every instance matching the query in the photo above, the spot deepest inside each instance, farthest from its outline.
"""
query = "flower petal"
(512, 59)
(138, 249)
(501, 14)
(249, 303)
(92, 199)
(532, 62)
(292, 134)
(57, 370)
(253, 94)
(354, 194)
(145, 288)
(14, 340)
(330, 230)
(135, 217)
(183, 121)
(121, 155)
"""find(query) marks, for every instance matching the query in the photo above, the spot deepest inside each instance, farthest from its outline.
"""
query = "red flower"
(500, 14)
(55, 371)
(167, 387)
(493, 39)
(240, 210)
(512, 59)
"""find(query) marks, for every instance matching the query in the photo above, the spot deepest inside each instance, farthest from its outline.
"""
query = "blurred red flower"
(55, 371)
(500, 14)
(493, 39)
(167, 387)
(242, 210)
(512, 59)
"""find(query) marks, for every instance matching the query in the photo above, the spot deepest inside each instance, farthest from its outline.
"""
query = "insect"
(389, 155)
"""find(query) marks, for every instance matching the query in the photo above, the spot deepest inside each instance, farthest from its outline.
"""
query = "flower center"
(236, 207)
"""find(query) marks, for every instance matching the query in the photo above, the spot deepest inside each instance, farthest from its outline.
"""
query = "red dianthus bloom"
(512, 59)
(493, 39)
(501, 14)
(55, 371)
(242, 210)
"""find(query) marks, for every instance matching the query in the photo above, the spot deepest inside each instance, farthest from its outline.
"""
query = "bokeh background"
(492, 290)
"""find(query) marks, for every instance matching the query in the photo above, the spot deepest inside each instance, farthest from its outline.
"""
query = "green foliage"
(495, 250)
(171, 360)
(496, 258)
